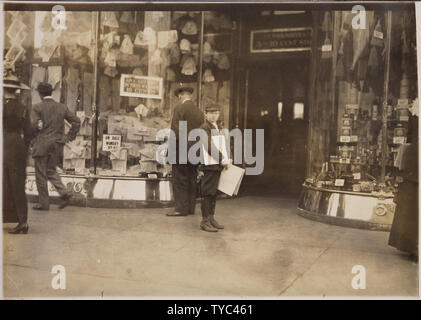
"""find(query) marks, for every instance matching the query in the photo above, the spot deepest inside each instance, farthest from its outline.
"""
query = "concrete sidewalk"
(266, 250)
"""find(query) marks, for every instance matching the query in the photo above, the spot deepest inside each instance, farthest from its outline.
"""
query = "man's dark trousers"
(184, 187)
(45, 169)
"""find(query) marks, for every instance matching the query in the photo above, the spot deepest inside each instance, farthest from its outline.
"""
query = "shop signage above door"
(140, 86)
(280, 40)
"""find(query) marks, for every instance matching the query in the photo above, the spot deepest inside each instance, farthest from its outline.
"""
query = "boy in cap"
(47, 117)
(184, 175)
(209, 173)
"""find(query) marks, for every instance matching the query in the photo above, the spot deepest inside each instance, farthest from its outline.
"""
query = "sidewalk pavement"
(266, 250)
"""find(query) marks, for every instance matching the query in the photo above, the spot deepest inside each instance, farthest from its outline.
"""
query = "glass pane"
(298, 110)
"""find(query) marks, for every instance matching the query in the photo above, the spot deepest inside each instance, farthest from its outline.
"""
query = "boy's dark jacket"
(210, 129)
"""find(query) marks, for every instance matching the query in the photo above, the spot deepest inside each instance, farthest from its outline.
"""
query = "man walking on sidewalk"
(48, 118)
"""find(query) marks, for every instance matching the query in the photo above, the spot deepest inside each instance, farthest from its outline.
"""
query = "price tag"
(378, 34)
(345, 139)
(339, 182)
(354, 138)
(404, 118)
(326, 48)
(357, 175)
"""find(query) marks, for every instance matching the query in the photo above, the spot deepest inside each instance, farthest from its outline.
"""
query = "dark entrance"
(277, 102)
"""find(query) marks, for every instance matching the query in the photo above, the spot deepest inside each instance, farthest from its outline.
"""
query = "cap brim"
(21, 86)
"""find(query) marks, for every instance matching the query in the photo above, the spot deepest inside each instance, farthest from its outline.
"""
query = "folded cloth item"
(147, 37)
(141, 111)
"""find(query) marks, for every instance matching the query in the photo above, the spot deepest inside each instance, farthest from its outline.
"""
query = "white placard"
(339, 182)
(111, 142)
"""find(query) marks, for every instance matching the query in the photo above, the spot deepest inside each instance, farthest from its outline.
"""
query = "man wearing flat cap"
(47, 117)
(184, 175)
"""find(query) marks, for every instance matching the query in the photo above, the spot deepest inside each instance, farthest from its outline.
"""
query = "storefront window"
(372, 117)
(143, 56)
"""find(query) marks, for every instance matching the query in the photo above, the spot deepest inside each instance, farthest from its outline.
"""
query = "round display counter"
(347, 208)
(109, 191)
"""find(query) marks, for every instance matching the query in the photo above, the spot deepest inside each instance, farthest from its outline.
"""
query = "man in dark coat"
(48, 118)
(210, 170)
(404, 231)
(184, 175)
(15, 123)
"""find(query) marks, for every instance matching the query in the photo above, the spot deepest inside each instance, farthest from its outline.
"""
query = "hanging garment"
(377, 38)
(115, 94)
(174, 54)
(104, 98)
(127, 17)
(109, 19)
(88, 87)
(348, 54)
(54, 78)
(72, 82)
(170, 75)
(166, 38)
(111, 71)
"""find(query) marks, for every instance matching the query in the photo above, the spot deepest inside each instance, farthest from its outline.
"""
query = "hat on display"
(11, 81)
(189, 28)
(212, 108)
(182, 88)
(185, 46)
(222, 61)
(208, 76)
(189, 66)
(44, 87)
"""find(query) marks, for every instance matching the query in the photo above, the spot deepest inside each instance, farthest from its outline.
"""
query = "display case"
(368, 123)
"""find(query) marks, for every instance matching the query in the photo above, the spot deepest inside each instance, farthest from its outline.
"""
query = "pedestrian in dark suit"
(48, 118)
(404, 231)
(15, 123)
(210, 173)
(184, 175)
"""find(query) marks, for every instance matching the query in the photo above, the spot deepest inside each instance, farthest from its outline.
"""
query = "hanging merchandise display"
(185, 46)
(127, 45)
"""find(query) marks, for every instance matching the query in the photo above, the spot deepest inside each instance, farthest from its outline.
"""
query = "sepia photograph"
(201, 150)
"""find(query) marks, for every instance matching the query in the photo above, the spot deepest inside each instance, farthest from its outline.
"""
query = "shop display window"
(142, 57)
(369, 123)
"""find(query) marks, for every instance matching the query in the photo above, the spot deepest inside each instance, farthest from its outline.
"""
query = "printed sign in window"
(111, 142)
(140, 86)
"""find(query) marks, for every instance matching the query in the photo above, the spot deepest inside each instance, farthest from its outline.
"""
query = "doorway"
(277, 102)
